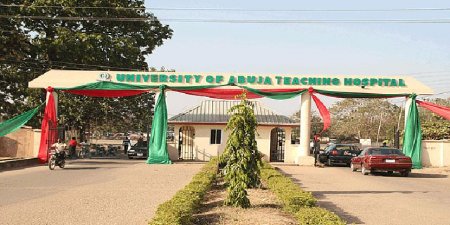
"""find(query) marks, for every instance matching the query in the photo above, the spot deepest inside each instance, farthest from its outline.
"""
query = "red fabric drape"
(438, 109)
(229, 94)
(106, 93)
(48, 127)
(324, 113)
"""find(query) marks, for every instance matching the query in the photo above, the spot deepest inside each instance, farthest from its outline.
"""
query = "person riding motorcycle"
(60, 147)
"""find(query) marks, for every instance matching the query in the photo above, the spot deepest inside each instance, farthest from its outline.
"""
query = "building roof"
(216, 112)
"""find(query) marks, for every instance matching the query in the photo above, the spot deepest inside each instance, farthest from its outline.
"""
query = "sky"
(421, 50)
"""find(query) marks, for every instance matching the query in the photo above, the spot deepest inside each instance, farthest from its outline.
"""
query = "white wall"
(203, 150)
(435, 153)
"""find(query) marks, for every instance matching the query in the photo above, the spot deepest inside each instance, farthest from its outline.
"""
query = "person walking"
(72, 147)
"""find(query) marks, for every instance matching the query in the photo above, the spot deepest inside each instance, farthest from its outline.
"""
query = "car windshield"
(140, 144)
(345, 147)
(385, 151)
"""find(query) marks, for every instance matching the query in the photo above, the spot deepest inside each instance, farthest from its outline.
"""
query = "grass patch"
(179, 209)
(296, 201)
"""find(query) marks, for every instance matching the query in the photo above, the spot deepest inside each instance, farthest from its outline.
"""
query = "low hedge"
(296, 201)
(179, 209)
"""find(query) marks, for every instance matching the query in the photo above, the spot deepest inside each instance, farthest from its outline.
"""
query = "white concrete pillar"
(55, 97)
(407, 106)
(303, 156)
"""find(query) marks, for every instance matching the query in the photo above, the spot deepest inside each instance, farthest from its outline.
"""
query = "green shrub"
(292, 196)
(179, 209)
(296, 201)
(317, 216)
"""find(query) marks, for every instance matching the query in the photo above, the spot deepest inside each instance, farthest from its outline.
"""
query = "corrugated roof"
(214, 111)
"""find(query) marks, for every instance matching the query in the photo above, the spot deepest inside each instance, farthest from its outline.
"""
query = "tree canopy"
(59, 34)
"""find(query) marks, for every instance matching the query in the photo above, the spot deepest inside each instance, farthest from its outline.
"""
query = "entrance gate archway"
(227, 86)
(186, 143)
(277, 144)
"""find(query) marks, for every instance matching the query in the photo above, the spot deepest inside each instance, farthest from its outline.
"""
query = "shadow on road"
(84, 168)
(74, 162)
(411, 175)
(321, 194)
(424, 175)
(350, 219)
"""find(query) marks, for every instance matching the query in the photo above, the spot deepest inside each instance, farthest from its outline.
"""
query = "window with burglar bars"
(216, 136)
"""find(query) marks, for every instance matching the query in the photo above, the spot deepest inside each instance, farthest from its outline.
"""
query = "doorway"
(186, 143)
(277, 144)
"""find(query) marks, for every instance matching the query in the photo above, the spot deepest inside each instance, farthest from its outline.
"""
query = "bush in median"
(296, 201)
(180, 208)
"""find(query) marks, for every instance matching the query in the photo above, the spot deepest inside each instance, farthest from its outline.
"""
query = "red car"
(382, 160)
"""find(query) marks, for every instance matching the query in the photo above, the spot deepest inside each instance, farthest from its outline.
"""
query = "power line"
(235, 21)
(75, 66)
(227, 9)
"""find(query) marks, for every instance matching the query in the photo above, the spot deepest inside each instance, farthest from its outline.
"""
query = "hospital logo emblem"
(104, 77)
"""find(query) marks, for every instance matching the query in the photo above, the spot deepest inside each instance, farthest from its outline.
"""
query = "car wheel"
(353, 167)
(364, 171)
(329, 163)
(405, 173)
(390, 172)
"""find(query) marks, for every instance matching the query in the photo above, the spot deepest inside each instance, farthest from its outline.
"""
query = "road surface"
(100, 191)
(422, 198)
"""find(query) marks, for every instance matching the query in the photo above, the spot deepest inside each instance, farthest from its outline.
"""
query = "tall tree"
(89, 35)
(364, 118)
(15, 47)
(243, 161)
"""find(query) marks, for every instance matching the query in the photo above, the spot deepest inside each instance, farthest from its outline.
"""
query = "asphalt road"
(102, 191)
(422, 199)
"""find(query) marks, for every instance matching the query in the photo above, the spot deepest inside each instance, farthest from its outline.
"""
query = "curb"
(13, 163)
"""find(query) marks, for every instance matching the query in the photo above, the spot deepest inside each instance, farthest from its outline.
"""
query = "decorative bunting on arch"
(48, 127)
(412, 139)
(324, 113)
(435, 108)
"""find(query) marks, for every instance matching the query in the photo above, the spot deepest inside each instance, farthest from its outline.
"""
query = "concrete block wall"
(23, 143)
(435, 153)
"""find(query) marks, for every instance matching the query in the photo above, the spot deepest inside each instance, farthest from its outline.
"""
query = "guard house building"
(200, 132)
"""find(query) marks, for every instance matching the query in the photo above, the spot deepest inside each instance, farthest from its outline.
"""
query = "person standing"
(72, 147)
(316, 149)
(126, 144)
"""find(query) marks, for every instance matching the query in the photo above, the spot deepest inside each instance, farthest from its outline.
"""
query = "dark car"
(138, 150)
(388, 160)
(339, 154)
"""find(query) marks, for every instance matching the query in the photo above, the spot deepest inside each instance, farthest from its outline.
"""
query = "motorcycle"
(112, 151)
(99, 151)
(56, 159)
(84, 153)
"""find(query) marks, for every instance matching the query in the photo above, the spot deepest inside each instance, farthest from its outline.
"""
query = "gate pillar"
(303, 155)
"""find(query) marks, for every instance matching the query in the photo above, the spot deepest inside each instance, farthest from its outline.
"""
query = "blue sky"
(419, 50)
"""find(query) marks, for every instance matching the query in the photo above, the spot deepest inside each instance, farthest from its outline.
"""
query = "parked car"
(339, 154)
(388, 160)
(138, 150)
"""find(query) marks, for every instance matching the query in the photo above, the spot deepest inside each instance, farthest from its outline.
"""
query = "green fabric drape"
(157, 145)
(357, 95)
(107, 85)
(15, 123)
(275, 95)
(412, 140)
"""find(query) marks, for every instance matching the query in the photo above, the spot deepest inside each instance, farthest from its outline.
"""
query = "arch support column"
(303, 155)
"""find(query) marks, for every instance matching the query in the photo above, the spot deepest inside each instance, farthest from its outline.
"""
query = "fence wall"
(436, 153)
(22, 143)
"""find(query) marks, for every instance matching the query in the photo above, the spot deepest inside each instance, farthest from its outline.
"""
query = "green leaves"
(241, 157)
(31, 47)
